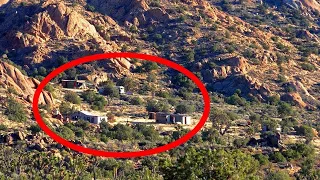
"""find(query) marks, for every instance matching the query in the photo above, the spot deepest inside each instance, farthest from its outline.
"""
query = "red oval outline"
(131, 154)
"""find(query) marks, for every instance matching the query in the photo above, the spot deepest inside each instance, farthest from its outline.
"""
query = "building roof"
(87, 113)
(83, 81)
(91, 114)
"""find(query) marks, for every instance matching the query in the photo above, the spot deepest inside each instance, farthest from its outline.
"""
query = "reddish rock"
(294, 97)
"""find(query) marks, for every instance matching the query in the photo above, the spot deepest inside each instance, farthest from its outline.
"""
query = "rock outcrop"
(136, 12)
(249, 86)
(303, 4)
(25, 86)
(295, 98)
(2, 2)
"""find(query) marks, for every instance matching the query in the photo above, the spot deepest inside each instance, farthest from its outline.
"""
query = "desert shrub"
(255, 117)
(72, 97)
(164, 94)
(136, 101)
(34, 128)
(299, 150)
(308, 67)
(190, 56)
(305, 131)
(61, 60)
(97, 102)
(11, 90)
(274, 100)
(235, 99)
(172, 101)
(154, 106)
(149, 66)
(49, 88)
(158, 37)
(151, 77)
(83, 124)
(183, 81)
(278, 175)
(110, 90)
(277, 157)
(3, 127)
(65, 132)
(184, 108)
(65, 108)
(281, 58)
(127, 83)
(285, 109)
(90, 8)
(149, 132)
(282, 78)
(263, 159)
(240, 142)
(15, 111)
(42, 71)
(184, 93)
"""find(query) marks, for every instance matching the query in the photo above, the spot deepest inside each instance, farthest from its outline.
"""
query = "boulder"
(294, 97)
(23, 85)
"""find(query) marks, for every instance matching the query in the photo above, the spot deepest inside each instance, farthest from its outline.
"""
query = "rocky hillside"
(214, 39)
(22, 85)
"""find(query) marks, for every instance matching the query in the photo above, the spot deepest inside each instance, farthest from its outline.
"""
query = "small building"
(88, 116)
(121, 89)
(162, 117)
(181, 119)
(166, 118)
(74, 84)
(152, 115)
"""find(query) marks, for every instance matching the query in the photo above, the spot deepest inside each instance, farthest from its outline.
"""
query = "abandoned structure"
(74, 84)
(121, 89)
(87, 116)
(167, 118)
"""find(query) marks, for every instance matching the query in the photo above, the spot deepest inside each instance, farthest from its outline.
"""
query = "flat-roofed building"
(88, 116)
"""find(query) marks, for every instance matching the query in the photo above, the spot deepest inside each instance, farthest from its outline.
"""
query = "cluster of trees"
(97, 101)
(15, 111)
(125, 132)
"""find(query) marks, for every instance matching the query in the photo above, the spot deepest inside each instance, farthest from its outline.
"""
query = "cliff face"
(303, 4)
(54, 28)
(135, 12)
(10, 76)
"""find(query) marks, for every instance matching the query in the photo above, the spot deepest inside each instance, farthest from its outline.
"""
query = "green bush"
(128, 83)
(72, 97)
(97, 102)
(34, 128)
(235, 99)
(263, 159)
(308, 67)
(66, 132)
(15, 111)
(277, 157)
(185, 93)
(274, 100)
(65, 108)
(278, 175)
(90, 8)
(184, 109)
(305, 131)
(49, 88)
(3, 127)
(164, 94)
(136, 101)
(109, 89)
(285, 109)
(154, 106)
